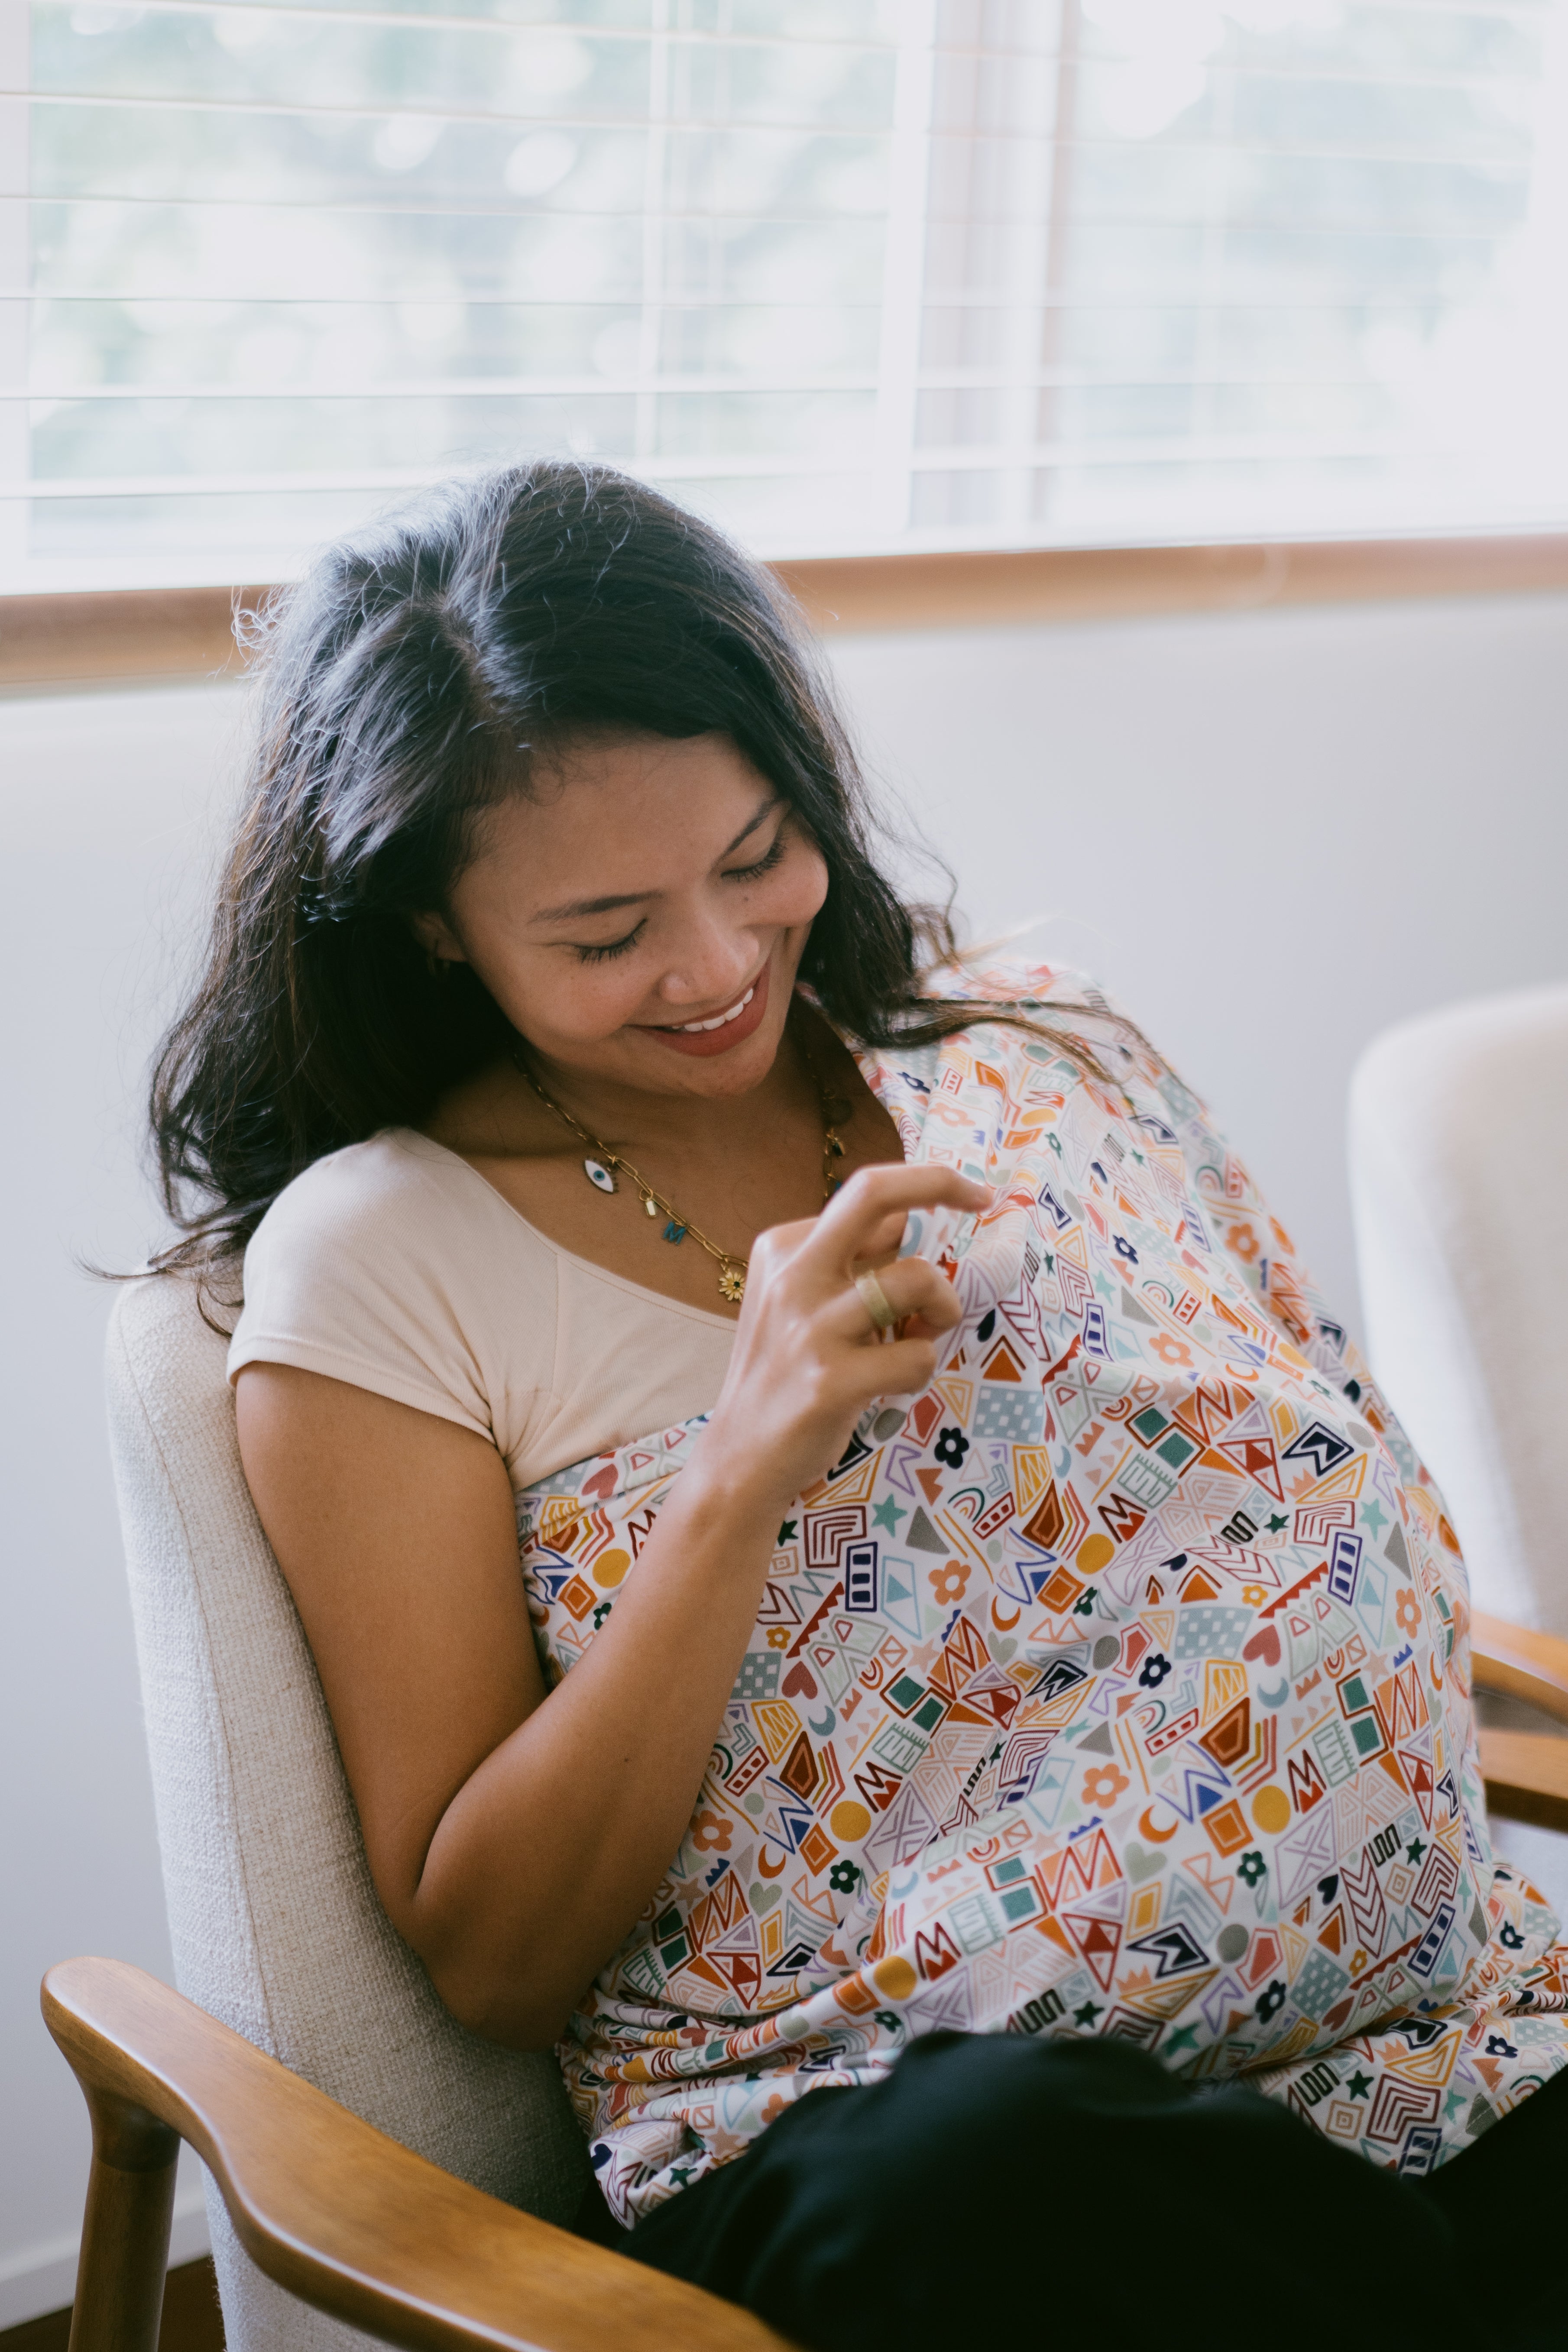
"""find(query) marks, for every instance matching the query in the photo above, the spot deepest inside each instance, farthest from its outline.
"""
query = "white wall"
(104, 808)
(1272, 834)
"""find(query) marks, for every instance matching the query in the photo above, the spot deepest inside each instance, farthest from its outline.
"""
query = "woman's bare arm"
(514, 1839)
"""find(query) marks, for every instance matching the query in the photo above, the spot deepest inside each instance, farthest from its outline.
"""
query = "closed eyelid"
(602, 950)
(576, 909)
(769, 858)
(772, 801)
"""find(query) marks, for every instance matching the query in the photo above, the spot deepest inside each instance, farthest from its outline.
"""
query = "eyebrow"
(576, 907)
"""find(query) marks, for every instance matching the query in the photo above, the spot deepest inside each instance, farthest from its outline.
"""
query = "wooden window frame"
(54, 642)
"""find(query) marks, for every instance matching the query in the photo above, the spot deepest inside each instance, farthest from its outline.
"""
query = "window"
(851, 275)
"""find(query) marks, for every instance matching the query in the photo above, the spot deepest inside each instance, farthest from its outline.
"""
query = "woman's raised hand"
(807, 1359)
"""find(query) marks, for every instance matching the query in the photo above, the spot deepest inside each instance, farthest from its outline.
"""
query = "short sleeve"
(377, 1267)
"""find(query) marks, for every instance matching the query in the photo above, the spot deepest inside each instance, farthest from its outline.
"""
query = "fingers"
(905, 1367)
(912, 1286)
(866, 1217)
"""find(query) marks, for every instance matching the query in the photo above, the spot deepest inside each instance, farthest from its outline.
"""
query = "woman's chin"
(736, 1071)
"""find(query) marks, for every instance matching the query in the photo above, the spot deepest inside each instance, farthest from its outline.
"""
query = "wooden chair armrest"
(1526, 1773)
(335, 2211)
(1509, 1658)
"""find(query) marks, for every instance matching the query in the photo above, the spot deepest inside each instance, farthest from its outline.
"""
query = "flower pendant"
(732, 1282)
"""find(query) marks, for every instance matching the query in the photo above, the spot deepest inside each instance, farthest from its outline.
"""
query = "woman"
(1020, 1677)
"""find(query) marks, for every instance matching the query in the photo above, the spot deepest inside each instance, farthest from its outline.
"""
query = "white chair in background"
(1458, 1164)
(1458, 1157)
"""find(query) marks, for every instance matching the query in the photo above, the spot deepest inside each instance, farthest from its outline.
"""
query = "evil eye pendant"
(598, 1174)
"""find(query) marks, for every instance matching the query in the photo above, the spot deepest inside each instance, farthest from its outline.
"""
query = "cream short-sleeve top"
(394, 1266)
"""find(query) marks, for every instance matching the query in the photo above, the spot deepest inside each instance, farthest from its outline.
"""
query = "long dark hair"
(402, 686)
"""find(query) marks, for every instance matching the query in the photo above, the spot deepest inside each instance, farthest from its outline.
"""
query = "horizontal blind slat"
(1299, 267)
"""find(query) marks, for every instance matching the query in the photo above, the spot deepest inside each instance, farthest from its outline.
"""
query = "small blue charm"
(597, 1173)
(674, 1232)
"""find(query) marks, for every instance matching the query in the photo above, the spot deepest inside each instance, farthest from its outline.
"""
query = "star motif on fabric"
(957, 1442)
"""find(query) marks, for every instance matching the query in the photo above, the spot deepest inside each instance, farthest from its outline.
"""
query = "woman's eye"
(764, 865)
(610, 949)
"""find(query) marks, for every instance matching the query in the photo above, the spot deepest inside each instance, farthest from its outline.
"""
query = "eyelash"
(765, 863)
(613, 948)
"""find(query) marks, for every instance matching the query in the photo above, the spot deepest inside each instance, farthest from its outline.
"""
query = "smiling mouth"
(719, 1021)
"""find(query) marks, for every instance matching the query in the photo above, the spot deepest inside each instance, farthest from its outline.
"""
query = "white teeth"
(696, 1028)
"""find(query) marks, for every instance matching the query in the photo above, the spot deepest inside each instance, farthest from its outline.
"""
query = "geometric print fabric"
(1117, 1685)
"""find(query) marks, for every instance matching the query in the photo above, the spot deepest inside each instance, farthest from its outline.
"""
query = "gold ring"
(874, 1299)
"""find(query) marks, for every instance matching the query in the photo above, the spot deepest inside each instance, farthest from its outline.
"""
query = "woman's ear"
(438, 939)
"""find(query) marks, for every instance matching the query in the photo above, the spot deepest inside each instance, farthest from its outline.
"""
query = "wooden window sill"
(55, 642)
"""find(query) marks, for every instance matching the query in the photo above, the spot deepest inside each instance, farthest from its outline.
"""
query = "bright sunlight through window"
(848, 275)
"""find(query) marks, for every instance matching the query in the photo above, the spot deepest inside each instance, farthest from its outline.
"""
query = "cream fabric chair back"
(1459, 1155)
(276, 1926)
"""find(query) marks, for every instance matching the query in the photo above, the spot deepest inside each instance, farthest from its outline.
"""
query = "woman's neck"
(626, 1117)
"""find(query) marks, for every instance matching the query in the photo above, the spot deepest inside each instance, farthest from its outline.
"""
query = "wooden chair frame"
(355, 2225)
(332, 2210)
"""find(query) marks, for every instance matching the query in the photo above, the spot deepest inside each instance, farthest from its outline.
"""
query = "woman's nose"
(712, 966)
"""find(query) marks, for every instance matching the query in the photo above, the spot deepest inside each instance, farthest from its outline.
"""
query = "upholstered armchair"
(375, 2170)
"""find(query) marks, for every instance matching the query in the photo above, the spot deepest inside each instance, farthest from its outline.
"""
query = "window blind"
(849, 275)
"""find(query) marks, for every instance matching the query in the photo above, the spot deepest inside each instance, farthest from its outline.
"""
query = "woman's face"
(641, 916)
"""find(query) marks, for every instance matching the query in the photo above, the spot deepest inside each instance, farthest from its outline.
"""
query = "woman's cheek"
(802, 889)
(610, 1000)
(579, 1006)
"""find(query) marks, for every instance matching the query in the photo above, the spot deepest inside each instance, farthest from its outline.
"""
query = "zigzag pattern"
(1146, 1727)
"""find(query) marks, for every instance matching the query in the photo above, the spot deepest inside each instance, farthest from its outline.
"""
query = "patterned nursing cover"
(1118, 1684)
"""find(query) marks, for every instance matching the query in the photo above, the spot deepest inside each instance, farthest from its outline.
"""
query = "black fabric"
(1001, 2191)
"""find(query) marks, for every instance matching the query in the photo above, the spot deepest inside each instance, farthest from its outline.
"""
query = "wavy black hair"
(404, 685)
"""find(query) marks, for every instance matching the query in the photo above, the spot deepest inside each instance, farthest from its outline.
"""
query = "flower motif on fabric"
(1147, 1723)
(1103, 1786)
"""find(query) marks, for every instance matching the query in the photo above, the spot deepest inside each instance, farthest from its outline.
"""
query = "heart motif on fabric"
(800, 1682)
(1141, 1864)
(1263, 1645)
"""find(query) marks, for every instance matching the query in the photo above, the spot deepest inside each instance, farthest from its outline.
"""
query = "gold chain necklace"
(602, 1167)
